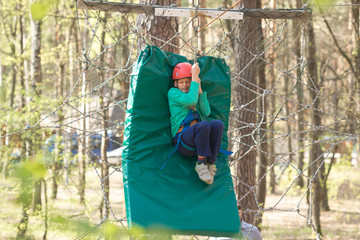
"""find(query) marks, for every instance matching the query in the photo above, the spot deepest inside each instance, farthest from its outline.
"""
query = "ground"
(341, 222)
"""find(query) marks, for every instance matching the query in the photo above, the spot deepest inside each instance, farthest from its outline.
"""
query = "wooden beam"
(277, 13)
(189, 12)
(115, 7)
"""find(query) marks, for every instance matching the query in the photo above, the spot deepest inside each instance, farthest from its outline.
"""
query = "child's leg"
(185, 152)
(198, 136)
(216, 132)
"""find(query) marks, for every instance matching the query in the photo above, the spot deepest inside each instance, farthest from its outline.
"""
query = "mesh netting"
(280, 117)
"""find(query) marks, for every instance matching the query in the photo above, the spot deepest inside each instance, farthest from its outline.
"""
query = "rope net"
(272, 118)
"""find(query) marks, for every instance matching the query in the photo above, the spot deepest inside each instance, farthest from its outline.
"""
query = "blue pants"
(205, 137)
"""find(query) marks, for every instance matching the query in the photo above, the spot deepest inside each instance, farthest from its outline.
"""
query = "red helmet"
(182, 70)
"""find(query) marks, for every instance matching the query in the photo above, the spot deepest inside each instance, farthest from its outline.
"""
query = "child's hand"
(195, 70)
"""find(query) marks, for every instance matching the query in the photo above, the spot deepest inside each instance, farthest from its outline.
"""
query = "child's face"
(183, 84)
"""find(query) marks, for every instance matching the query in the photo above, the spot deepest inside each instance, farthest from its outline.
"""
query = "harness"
(192, 115)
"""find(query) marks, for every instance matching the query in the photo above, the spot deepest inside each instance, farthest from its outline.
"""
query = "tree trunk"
(244, 48)
(26, 197)
(104, 137)
(68, 137)
(315, 150)
(325, 202)
(161, 29)
(3, 158)
(356, 34)
(26, 190)
(264, 147)
(59, 93)
(5, 170)
(82, 136)
(22, 63)
(272, 80)
(300, 97)
(104, 162)
(36, 80)
(287, 110)
(83, 143)
(36, 201)
(124, 80)
(13, 76)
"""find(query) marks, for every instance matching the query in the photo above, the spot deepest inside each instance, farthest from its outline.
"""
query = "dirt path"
(342, 222)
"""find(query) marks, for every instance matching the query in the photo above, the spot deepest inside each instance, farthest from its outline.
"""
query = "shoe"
(212, 169)
(204, 174)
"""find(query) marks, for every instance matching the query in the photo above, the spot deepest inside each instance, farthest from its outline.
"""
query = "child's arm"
(203, 103)
(186, 99)
(204, 106)
(195, 70)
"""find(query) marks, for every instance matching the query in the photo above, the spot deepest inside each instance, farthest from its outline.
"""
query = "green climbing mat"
(174, 199)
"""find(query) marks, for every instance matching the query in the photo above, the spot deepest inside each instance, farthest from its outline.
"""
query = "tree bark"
(264, 147)
(13, 76)
(124, 79)
(35, 68)
(244, 47)
(356, 34)
(36, 81)
(287, 111)
(203, 32)
(161, 29)
(104, 137)
(272, 58)
(315, 150)
(59, 93)
(26, 196)
(22, 63)
(82, 145)
(4, 159)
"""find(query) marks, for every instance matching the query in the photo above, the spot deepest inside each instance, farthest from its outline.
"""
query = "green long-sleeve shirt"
(180, 103)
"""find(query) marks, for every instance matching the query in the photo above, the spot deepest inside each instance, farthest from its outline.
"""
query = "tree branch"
(340, 49)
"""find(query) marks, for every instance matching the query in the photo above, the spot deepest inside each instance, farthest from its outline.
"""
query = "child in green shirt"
(194, 136)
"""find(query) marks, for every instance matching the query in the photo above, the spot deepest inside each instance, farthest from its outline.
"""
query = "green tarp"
(174, 199)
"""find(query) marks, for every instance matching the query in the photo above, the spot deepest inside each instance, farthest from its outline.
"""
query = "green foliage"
(322, 7)
(79, 226)
(40, 8)
(113, 231)
(27, 172)
(323, 3)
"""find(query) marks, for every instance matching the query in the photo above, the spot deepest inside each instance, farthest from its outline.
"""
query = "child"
(193, 136)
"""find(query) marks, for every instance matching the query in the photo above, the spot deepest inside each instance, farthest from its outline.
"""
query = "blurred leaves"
(40, 8)
(323, 3)
(80, 226)
(30, 170)
(322, 7)
(112, 231)
(27, 172)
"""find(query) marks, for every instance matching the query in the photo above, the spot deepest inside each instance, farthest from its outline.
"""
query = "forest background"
(53, 182)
